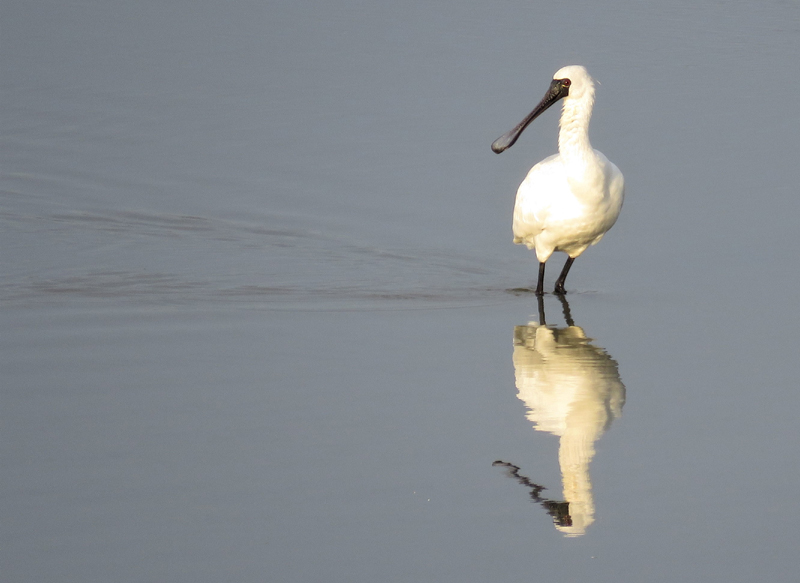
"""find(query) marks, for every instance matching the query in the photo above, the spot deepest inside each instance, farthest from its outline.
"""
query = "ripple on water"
(278, 263)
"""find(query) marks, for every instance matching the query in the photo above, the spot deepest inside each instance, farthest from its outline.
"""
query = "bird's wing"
(614, 178)
(543, 185)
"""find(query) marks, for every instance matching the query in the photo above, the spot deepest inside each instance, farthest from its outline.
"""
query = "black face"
(559, 88)
(562, 87)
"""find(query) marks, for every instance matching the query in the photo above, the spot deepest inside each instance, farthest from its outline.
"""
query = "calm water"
(261, 317)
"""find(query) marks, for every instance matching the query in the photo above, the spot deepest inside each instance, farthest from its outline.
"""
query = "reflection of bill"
(571, 389)
(558, 510)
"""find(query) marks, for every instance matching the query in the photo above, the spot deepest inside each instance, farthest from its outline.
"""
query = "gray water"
(262, 319)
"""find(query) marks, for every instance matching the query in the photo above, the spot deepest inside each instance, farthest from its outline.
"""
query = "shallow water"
(262, 318)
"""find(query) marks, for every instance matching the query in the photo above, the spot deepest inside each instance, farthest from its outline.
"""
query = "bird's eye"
(566, 82)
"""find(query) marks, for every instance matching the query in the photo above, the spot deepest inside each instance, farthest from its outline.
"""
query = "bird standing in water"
(568, 201)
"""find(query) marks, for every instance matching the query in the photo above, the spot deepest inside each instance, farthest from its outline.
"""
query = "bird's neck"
(573, 138)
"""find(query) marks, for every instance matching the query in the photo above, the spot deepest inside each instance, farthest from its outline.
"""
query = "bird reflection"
(571, 389)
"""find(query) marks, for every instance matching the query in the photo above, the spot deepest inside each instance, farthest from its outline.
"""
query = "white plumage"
(568, 201)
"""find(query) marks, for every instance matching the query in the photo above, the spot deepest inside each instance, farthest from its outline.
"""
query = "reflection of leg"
(563, 277)
(540, 284)
(540, 301)
(565, 309)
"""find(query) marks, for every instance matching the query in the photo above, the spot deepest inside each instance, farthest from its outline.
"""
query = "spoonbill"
(568, 201)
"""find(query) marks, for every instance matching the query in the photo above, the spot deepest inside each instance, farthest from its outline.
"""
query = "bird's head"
(572, 82)
(577, 80)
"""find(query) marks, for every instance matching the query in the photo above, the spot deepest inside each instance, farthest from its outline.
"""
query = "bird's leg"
(540, 285)
(563, 277)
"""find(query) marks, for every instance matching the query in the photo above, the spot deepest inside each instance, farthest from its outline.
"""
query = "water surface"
(262, 318)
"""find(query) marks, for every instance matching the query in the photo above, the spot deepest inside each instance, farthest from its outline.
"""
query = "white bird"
(568, 201)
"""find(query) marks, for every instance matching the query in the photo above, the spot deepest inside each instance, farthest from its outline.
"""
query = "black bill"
(559, 88)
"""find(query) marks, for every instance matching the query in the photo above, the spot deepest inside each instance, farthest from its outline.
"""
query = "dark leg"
(563, 277)
(565, 309)
(540, 285)
(540, 301)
